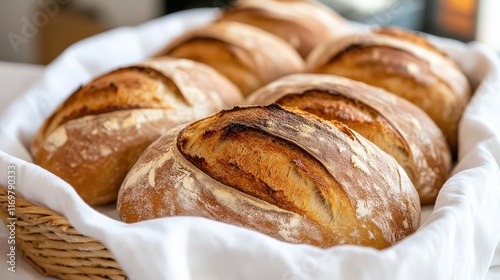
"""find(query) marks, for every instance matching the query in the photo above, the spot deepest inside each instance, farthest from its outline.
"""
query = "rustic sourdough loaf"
(248, 56)
(403, 63)
(303, 24)
(97, 134)
(283, 172)
(395, 125)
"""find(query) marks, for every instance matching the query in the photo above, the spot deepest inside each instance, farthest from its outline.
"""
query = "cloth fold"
(459, 240)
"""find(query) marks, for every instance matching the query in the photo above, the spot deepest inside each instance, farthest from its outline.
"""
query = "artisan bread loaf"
(404, 64)
(248, 56)
(97, 134)
(395, 125)
(303, 24)
(283, 172)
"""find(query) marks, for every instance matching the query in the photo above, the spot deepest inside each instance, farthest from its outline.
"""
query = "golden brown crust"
(408, 35)
(303, 24)
(282, 172)
(404, 66)
(230, 61)
(94, 153)
(392, 123)
(246, 55)
(95, 136)
(235, 153)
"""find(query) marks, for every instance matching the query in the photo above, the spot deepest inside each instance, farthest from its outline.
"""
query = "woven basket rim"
(51, 245)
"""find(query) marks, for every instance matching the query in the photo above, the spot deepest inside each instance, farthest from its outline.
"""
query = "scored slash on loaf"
(283, 172)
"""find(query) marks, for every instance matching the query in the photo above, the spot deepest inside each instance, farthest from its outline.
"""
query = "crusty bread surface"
(405, 65)
(395, 125)
(283, 172)
(303, 24)
(246, 55)
(97, 134)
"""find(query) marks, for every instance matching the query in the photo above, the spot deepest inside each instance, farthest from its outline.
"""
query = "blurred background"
(37, 31)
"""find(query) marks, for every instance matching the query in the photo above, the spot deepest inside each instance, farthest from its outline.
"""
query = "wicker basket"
(52, 246)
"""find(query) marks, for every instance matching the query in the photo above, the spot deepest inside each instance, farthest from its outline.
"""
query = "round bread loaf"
(303, 24)
(395, 125)
(282, 172)
(97, 134)
(248, 56)
(403, 63)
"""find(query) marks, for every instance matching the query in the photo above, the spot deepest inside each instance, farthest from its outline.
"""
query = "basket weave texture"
(53, 247)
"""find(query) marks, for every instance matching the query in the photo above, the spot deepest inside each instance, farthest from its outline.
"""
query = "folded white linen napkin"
(457, 241)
